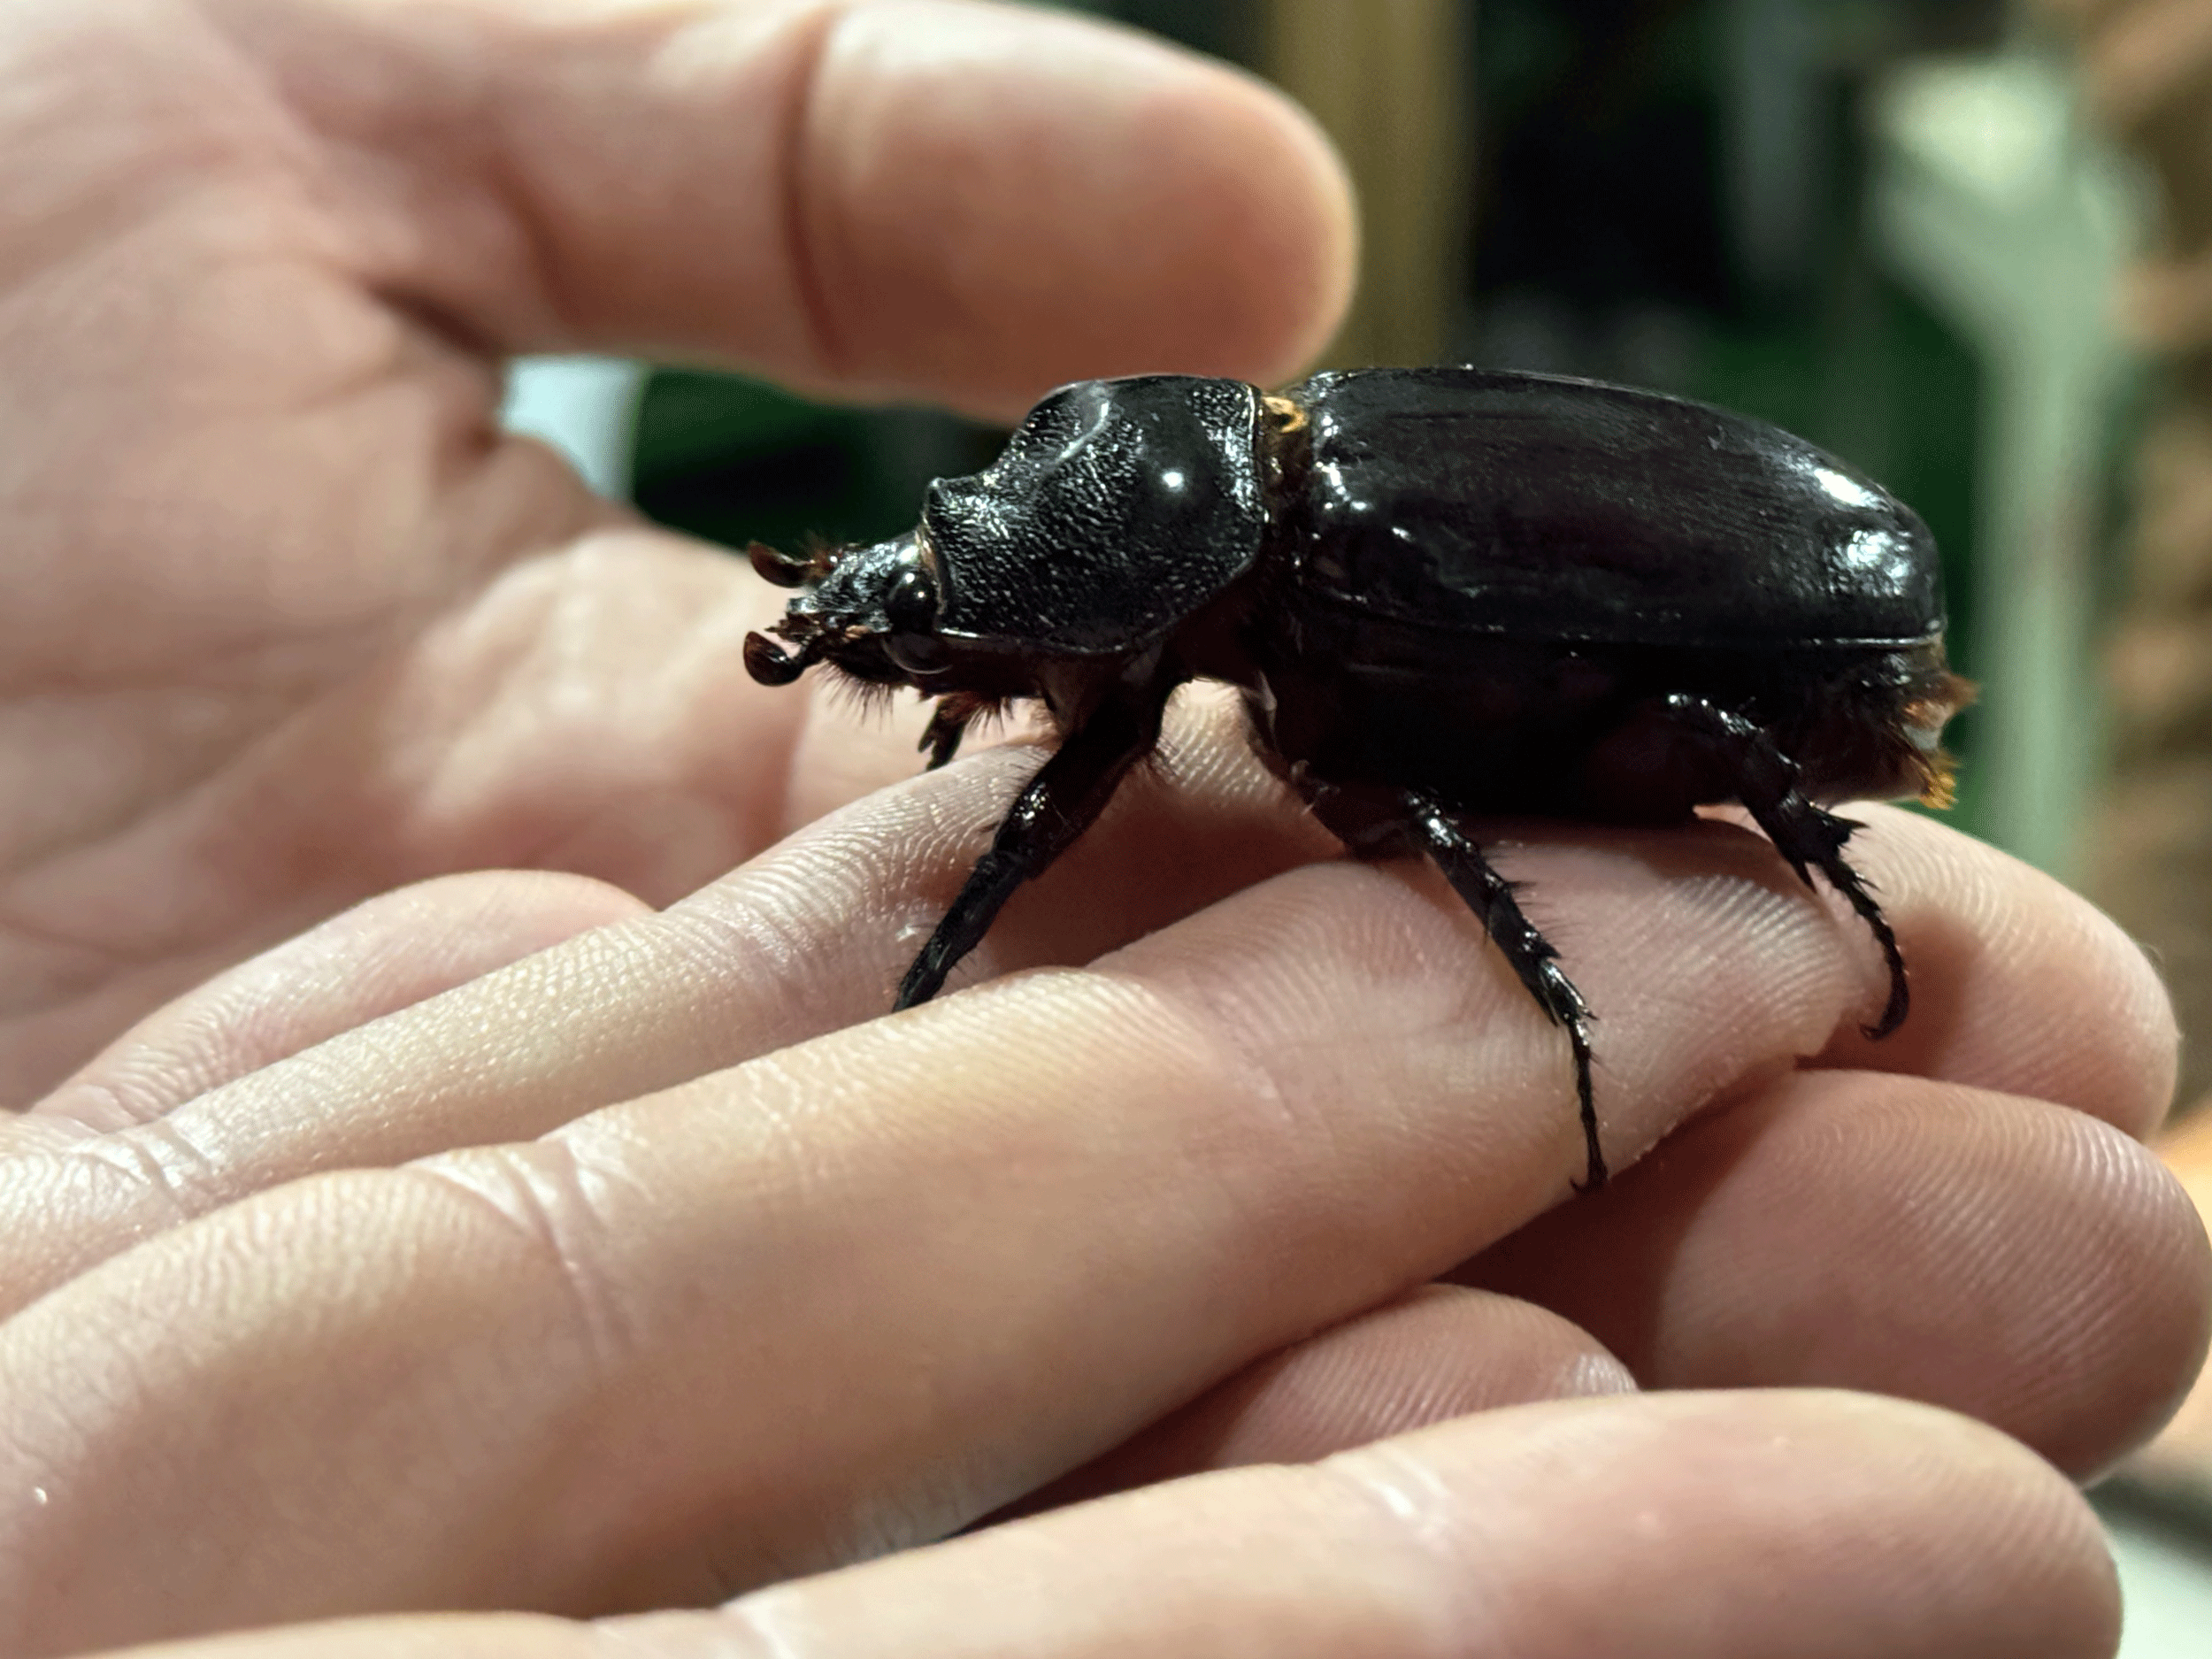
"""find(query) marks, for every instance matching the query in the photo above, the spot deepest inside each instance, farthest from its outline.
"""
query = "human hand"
(673, 1328)
(727, 1282)
(285, 621)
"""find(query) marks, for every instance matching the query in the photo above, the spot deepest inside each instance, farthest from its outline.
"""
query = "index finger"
(960, 201)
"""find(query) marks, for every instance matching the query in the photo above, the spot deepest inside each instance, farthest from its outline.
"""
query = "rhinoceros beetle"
(1443, 593)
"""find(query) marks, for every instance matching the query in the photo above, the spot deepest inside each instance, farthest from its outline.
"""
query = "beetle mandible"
(1443, 594)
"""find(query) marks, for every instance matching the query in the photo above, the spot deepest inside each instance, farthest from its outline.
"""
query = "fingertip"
(2026, 1265)
(1299, 256)
(1884, 1525)
(2019, 985)
(996, 201)
(938, 200)
(390, 951)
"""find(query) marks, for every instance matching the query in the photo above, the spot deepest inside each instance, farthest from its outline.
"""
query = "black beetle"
(1444, 592)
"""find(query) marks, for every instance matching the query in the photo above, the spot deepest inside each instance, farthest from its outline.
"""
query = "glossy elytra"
(1444, 594)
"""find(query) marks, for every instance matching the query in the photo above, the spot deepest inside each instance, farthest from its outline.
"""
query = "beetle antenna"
(772, 564)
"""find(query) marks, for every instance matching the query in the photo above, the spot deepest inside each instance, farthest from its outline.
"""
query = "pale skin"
(538, 1219)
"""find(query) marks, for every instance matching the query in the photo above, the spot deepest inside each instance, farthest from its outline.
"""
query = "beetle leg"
(1767, 783)
(1061, 802)
(1490, 896)
(947, 725)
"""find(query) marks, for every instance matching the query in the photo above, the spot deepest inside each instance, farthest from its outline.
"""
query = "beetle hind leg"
(1803, 834)
(1490, 896)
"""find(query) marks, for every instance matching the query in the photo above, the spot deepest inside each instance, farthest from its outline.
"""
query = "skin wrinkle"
(1753, 918)
(150, 1180)
(1226, 1522)
(792, 170)
(542, 1194)
(217, 152)
(1416, 1505)
(1592, 1451)
(354, 121)
(162, 1160)
(1137, 1010)
(932, 813)
(1223, 1026)
(384, 955)
(772, 934)
(1222, 1029)
(1258, 1030)
(768, 937)
(1767, 1288)
(31, 1130)
(591, 967)
(814, 1094)
(162, 819)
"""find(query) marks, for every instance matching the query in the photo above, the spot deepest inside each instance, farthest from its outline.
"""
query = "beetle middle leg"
(1767, 783)
(1490, 896)
(1060, 803)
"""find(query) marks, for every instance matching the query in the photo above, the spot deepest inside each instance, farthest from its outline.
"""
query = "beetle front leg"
(1490, 896)
(947, 725)
(1767, 783)
(1061, 802)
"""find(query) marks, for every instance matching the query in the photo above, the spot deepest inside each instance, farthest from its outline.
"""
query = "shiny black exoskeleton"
(1444, 592)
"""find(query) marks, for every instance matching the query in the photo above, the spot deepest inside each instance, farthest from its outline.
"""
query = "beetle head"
(1118, 509)
(871, 610)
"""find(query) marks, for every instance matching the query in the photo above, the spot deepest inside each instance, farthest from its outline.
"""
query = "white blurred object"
(584, 407)
(2012, 224)
(2165, 1591)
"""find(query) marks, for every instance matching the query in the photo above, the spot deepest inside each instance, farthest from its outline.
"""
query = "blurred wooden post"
(1388, 80)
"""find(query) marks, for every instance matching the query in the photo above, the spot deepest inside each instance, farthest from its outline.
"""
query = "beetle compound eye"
(911, 604)
(911, 608)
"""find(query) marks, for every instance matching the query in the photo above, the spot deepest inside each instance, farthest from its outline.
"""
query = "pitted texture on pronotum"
(1443, 594)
